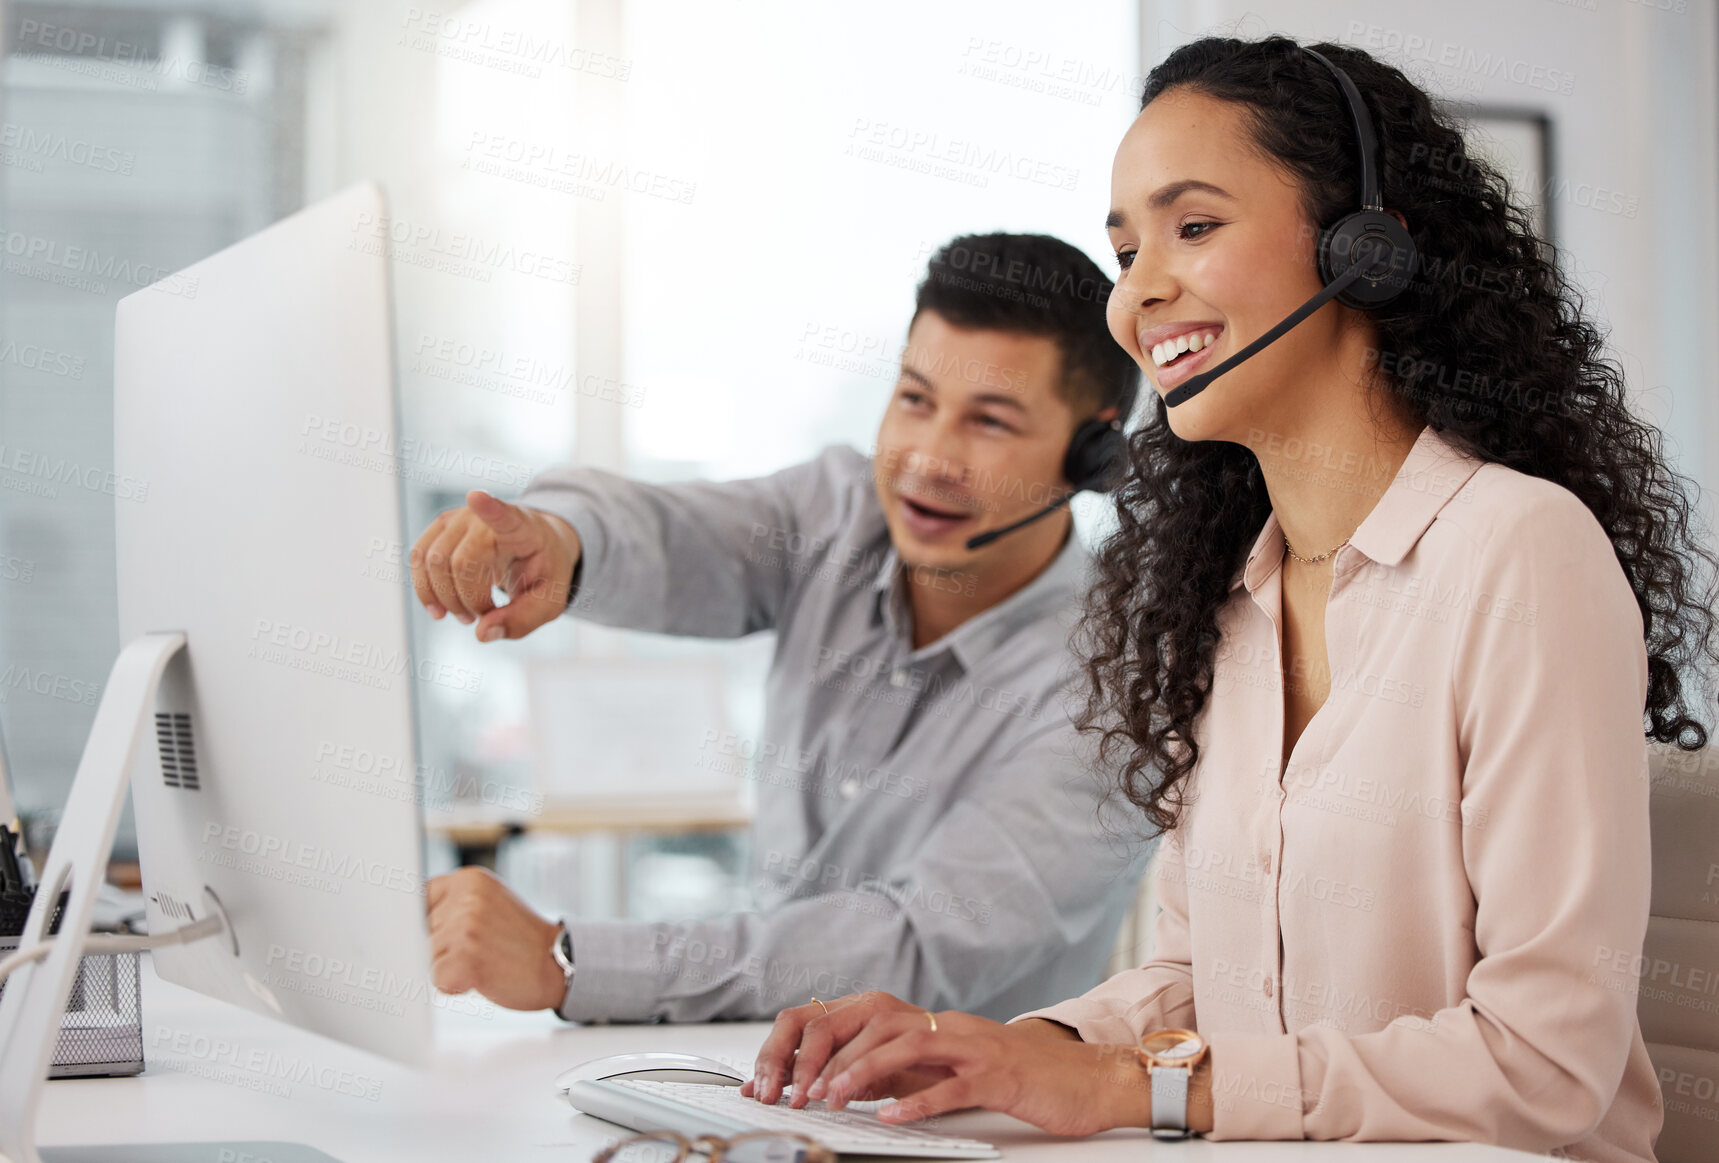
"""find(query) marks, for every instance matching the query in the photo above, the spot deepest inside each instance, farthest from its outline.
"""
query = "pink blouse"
(1425, 926)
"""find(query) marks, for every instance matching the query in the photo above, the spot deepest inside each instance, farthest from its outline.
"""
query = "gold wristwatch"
(1170, 1057)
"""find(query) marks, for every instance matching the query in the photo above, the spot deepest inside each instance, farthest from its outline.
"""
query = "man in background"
(925, 824)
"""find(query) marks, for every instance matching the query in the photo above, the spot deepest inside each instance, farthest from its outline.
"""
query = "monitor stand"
(35, 996)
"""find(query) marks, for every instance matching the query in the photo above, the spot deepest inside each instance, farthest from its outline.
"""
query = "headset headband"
(1363, 132)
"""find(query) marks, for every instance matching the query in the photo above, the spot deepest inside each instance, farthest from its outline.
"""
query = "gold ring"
(826, 1008)
(932, 1018)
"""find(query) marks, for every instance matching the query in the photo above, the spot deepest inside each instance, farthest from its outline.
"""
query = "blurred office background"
(733, 201)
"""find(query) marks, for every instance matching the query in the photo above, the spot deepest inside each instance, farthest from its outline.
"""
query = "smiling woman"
(1192, 253)
(1375, 648)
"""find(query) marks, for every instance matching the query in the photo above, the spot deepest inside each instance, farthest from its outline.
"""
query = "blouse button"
(1268, 989)
(1267, 864)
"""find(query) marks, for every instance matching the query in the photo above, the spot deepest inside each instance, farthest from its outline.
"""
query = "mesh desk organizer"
(101, 1030)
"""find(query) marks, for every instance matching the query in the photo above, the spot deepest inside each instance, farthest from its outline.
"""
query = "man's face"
(973, 438)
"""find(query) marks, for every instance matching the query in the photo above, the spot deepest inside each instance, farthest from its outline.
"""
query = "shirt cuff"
(1256, 1086)
(1094, 1023)
(592, 544)
(615, 973)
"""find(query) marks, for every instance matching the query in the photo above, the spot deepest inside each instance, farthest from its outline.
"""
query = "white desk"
(488, 1095)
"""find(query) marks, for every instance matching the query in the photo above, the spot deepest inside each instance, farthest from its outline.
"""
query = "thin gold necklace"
(1313, 560)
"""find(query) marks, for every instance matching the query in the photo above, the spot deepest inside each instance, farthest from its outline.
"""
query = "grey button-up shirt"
(928, 822)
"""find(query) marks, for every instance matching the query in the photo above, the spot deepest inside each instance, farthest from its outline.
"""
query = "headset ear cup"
(1097, 453)
(1376, 241)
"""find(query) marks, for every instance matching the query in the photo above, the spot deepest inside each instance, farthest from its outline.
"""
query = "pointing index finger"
(513, 532)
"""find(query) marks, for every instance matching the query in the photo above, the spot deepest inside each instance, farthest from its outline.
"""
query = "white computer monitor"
(258, 465)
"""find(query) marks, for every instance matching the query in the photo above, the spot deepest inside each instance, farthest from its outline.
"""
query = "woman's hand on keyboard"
(1059, 1084)
(804, 1037)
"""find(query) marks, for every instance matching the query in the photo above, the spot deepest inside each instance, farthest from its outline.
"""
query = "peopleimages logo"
(45, 145)
(514, 373)
(930, 152)
(336, 656)
(26, 471)
(48, 684)
(1475, 62)
(365, 987)
(341, 867)
(122, 62)
(342, 442)
(50, 260)
(34, 357)
(553, 168)
(256, 1068)
(455, 251)
(458, 36)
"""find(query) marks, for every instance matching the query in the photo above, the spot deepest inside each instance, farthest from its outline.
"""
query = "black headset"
(1098, 451)
(1096, 459)
(1369, 240)
(1365, 258)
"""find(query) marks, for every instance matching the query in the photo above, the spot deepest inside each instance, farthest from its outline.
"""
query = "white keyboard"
(694, 1109)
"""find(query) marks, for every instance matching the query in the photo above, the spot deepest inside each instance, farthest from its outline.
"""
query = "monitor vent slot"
(178, 757)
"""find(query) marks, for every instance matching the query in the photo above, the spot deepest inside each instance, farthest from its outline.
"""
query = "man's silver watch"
(562, 951)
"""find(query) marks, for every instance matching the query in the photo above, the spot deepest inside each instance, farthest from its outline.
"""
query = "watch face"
(1173, 1045)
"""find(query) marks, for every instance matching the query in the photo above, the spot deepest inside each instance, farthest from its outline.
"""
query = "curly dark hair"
(1487, 295)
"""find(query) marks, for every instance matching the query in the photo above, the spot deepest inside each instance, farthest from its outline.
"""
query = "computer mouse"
(653, 1066)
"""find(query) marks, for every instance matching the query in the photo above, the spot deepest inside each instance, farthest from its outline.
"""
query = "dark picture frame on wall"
(1519, 141)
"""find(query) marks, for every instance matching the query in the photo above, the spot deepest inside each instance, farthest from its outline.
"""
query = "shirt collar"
(1434, 474)
(1264, 557)
(1430, 479)
(975, 638)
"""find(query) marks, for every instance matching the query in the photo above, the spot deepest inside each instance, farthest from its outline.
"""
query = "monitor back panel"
(256, 481)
